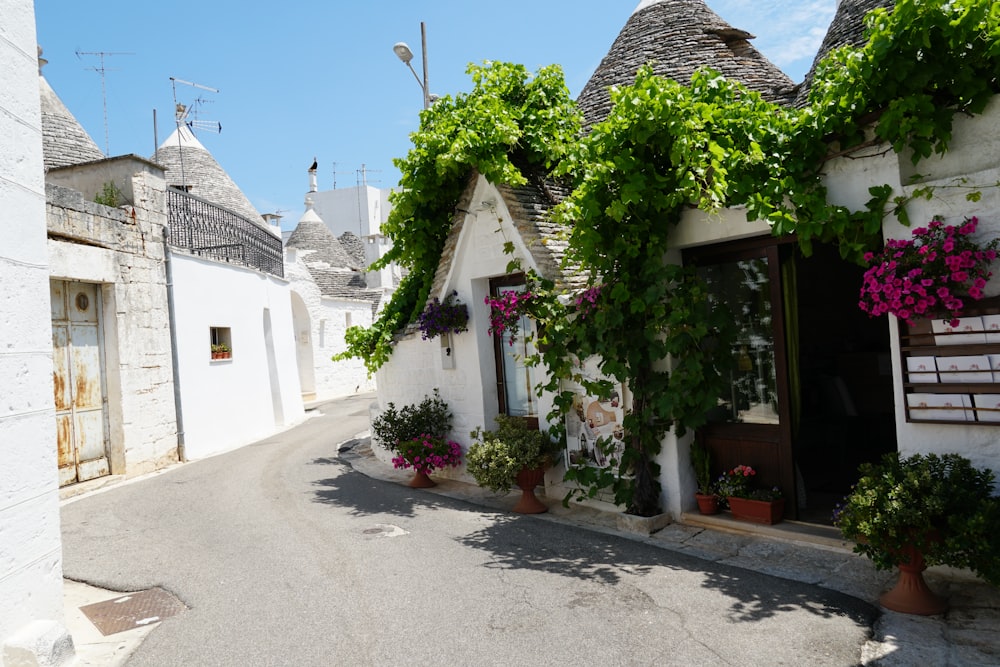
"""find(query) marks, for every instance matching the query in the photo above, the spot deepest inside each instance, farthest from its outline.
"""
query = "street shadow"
(525, 542)
(361, 495)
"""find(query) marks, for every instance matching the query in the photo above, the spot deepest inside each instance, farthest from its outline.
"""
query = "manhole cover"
(132, 610)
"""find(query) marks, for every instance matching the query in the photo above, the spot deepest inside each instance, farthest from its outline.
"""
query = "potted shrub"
(923, 510)
(701, 461)
(515, 453)
(397, 429)
(425, 454)
(748, 503)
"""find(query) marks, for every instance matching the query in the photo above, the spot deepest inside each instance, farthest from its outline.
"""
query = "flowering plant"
(931, 272)
(444, 317)
(586, 301)
(738, 483)
(506, 311)
(427, 453)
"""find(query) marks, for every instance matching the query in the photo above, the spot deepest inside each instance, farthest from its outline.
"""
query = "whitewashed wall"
(229, 403)
(320, 333)
(31, 598)
(415, 368)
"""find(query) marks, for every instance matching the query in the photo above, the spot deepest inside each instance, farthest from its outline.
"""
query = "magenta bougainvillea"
(427, 453)
(506, 310)
(929, 275)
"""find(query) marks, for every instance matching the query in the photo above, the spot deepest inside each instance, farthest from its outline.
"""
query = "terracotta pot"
(911, 595)
(421, 481)
(757, 511)
(708, 503)
(527, 480)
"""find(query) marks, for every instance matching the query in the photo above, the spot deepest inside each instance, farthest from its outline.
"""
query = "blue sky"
(300, 79)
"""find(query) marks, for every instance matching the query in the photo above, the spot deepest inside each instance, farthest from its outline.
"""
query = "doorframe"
(769, 248)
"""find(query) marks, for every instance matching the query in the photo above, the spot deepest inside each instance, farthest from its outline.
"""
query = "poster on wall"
(595, 434)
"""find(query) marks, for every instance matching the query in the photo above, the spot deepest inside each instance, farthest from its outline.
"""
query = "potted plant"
(701, 461)
(398, 429)
(748, 503)
(515, 453)
(930, 274)
(923, 510)
(443, 317)
(425, 454)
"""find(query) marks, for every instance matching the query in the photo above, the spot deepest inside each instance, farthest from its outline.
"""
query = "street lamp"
(403, 53)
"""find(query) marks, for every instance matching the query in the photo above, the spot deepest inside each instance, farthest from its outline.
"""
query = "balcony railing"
(207, 230)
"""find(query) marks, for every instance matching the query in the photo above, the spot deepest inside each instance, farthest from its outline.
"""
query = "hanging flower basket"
(443, 317)
(930, 275)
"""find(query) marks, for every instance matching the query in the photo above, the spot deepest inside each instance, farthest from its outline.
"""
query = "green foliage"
(509, 120)
(941, 505)
(430, 417)
(701, 461)
(496, 457)
(666, 147)
(109, 195)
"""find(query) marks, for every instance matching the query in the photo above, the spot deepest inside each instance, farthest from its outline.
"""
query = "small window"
(221, 342)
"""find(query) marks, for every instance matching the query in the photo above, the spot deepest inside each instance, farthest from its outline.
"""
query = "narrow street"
(284, 555)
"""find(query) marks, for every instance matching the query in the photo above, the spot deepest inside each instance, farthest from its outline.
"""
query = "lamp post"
(403, 53)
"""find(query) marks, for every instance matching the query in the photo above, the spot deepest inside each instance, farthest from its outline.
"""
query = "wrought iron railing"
(208, 230)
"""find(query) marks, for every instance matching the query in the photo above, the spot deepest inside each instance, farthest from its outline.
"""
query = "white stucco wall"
(360, 209)
(30, 546)
(415, 368)
(229, 403)
(319, 334)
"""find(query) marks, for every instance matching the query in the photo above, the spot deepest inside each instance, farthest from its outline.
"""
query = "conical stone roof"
(677, 37)
(64, 141)
(847, 27)
(188, 163)
(319, 245)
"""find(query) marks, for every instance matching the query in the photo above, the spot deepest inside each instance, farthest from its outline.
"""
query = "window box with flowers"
(747, 503)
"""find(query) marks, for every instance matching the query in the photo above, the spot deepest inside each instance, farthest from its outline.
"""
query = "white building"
(31, 596)
(844, 374)
(229, 291)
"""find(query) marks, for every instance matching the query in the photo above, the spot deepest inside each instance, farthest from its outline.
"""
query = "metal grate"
(207, 230)
(133, 610)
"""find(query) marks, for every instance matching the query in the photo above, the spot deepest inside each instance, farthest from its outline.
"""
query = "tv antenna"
(102, 71)
(181, 113)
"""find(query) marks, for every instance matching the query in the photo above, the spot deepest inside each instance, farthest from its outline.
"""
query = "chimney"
(312, 176)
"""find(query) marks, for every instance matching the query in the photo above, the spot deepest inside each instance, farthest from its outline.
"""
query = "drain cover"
(132, 610)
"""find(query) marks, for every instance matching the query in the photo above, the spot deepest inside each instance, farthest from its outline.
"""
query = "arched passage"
(302, 325)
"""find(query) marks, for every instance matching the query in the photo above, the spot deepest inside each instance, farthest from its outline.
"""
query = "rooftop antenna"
(335, 172)
(181, 113)
(102, 70)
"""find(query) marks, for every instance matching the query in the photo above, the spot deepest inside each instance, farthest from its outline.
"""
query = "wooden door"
(78, 380)
(751, 424)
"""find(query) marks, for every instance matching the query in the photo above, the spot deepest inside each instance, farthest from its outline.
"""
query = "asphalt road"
(286, 556)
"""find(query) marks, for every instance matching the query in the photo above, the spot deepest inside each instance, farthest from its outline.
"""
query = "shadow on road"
(535, 543)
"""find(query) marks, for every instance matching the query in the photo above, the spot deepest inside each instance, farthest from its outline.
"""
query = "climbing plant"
(510, 120)
(666, 147)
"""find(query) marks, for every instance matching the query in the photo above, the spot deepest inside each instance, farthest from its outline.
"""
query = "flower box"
(757, 511)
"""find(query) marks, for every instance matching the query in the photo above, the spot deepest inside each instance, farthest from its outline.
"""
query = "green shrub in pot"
(496, 457)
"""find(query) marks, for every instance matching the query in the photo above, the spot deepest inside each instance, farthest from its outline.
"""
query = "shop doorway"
(810, 394)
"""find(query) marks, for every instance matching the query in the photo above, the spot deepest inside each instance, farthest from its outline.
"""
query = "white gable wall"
(415, 368)
(229, 403)
(31, 599)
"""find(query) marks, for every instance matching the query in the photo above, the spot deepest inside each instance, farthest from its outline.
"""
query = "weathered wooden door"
(78, 378)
